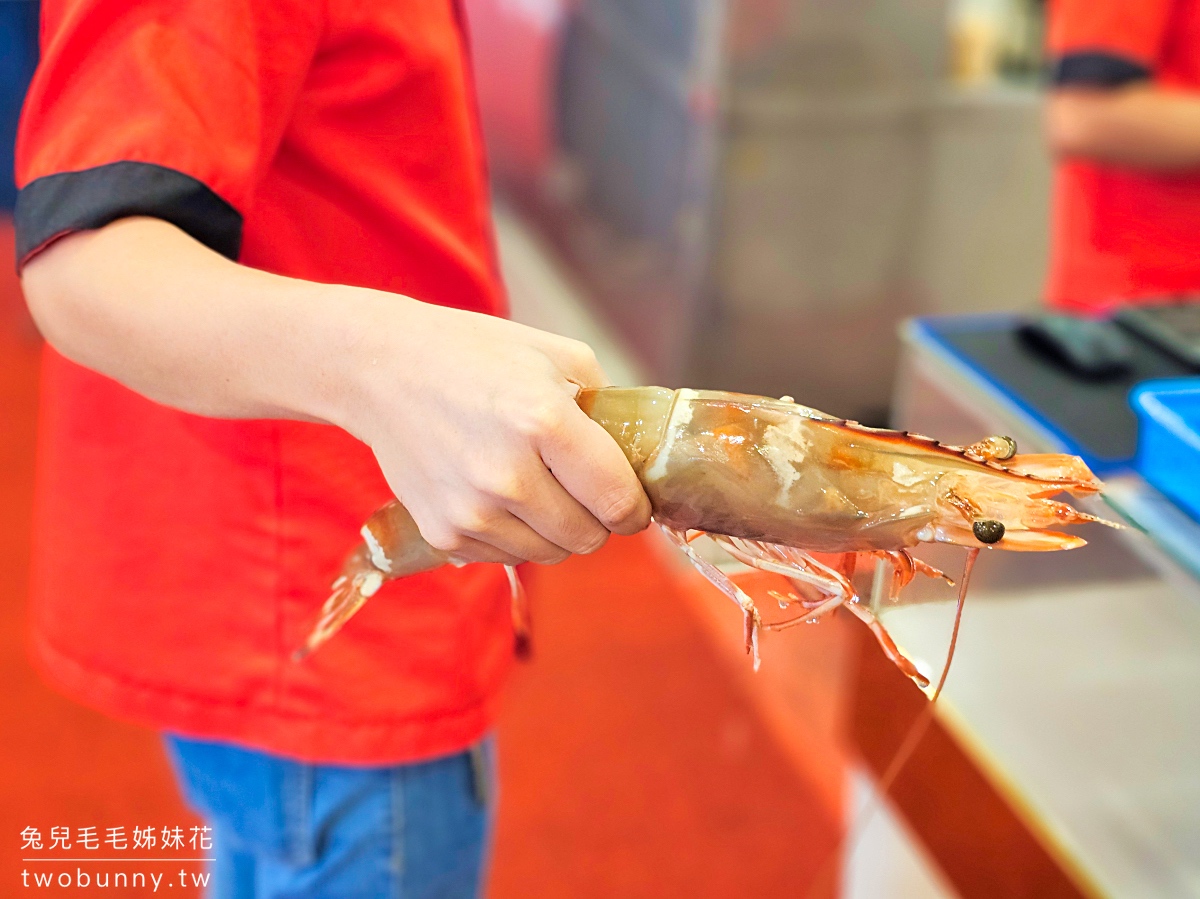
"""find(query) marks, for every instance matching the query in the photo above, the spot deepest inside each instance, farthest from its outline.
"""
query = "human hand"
(474, 423)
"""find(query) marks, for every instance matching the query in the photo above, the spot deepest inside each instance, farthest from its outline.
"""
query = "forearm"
(1140, 126)
(472, 418)
(145, 304)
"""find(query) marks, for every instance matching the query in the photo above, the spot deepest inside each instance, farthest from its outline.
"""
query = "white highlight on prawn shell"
(785, 446)
(681, 414)
(934, 534)
(378, 557)
(370, 584)
(904, 475)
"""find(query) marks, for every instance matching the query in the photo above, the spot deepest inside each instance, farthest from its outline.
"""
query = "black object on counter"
(1092, 416)
(1172, 326)
(1096, 350)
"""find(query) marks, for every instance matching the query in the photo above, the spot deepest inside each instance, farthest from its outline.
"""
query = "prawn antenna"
(912, 739)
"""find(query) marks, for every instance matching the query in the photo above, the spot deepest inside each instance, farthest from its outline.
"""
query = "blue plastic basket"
(1168, 453)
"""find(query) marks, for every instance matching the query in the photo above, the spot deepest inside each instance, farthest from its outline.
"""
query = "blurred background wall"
(757, 191)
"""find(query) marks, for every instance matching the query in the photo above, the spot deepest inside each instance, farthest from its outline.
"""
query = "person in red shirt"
(1124, 122)
(255, 234)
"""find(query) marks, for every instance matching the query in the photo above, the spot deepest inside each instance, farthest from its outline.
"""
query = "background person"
(1123, 118)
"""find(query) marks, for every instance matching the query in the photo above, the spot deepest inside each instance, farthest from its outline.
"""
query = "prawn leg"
(848, 565)
(887, 644)
(929, 571)
(794, 564)
(801, 568)
(522, 639)
(811, 615)
(798, 567)
(751, 619)
(905, 567)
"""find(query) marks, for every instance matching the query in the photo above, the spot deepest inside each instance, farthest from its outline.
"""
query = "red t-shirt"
(179, 560)
(1118, 233)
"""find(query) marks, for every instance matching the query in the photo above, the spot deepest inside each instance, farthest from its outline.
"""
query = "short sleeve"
(1106, 43)
(165, 108)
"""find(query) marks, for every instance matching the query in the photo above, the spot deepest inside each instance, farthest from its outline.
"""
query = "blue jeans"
(287, 830)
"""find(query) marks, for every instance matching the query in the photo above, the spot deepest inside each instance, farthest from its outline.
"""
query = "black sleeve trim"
(1096, 68)
(59, 204)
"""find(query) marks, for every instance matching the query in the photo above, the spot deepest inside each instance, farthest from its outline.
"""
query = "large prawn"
(773, 482)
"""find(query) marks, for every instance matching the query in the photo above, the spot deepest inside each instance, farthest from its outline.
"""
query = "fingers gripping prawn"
(773, 482)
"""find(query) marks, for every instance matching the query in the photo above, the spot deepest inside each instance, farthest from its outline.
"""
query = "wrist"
(361, 333)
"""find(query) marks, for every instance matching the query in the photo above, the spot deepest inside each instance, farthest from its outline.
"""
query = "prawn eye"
(988, 531)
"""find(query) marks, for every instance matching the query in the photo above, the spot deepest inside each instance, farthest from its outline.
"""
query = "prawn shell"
(777, 472)
(774, 471)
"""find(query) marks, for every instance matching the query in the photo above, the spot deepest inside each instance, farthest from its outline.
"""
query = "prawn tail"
(359, 581)
(521, 621)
